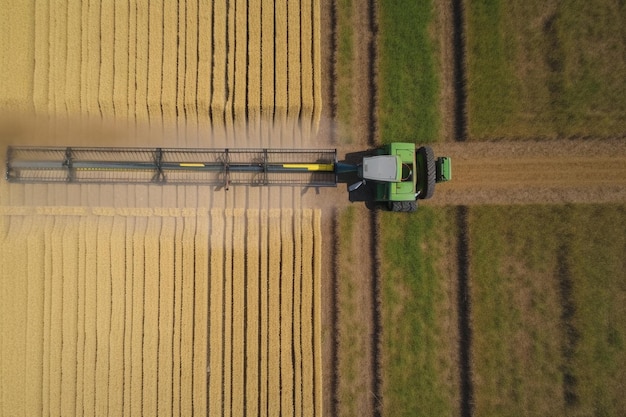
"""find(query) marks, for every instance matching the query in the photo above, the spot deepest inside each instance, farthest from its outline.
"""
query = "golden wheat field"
(149, 312)
(159, 300)
(208, 66)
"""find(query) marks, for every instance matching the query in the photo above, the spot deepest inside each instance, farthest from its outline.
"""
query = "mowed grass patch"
(545, 69)
(417, 357)
(407, 81)
(547, 291)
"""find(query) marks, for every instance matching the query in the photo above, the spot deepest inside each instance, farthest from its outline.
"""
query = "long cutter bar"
(223, 167)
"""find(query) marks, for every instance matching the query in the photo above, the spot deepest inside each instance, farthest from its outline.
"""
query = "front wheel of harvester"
(428, 171)
(402, 206)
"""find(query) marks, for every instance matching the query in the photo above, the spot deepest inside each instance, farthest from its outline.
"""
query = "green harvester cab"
(403, 174)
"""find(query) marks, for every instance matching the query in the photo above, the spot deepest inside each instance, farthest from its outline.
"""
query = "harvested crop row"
(140, 75)
(267, 61)
(264, 308)
(137, 318)
(316, 316)
(35, 314)
(254, 58)
(166, 315)
(155, 61)
(239, 310)
(184, 225)
(13, 363)
(229, 115)
(240, 61)
(280, 62)
(127, 361)
(151, 314)
(203, 85)
(56, 318)
(178, 64)
(297, 313)
(306, 314)
(253, 275)
(294, 85)
(193, 33)
(69, 329)
(227, 314)
(215, 313)
(317, 64)
(273, 291)
(308, 74)
(202, 289)
(286, 313)
(103, 297)
(121, 56)
(187, 322)
(218, 92)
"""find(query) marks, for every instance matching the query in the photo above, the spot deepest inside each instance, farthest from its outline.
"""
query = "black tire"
(428, 172)
(410, 206)
(402, 206)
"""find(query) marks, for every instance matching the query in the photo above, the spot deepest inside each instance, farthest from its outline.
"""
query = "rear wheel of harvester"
(428, 172)
(402, 206)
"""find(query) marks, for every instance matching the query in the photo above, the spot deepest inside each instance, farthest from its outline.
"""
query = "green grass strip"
(407, 78)
(491, 93)
(547, 286)
(415, 354)
(538, 69)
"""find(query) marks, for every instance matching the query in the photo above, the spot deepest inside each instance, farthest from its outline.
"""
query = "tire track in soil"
(334, 261)
(466, 386)
(464, 314)
(570, 335)
(373, 217)
(333, 291)
(330, 289)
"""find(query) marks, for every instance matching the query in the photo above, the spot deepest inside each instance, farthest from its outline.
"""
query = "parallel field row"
(212, 66)
(114, 312)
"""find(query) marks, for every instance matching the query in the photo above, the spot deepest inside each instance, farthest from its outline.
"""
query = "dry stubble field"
(160, 312)
(133, 299)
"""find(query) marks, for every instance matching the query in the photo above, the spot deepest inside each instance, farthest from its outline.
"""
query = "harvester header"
(172, 166)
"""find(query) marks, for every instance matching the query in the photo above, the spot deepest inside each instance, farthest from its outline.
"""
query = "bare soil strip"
(530, 172)
(360, 273)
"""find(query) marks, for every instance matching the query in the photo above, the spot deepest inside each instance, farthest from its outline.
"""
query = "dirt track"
(564, 171)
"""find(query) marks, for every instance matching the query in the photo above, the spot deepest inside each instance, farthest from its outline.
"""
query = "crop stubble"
(194, 73)
(130, 300)
(115, 283)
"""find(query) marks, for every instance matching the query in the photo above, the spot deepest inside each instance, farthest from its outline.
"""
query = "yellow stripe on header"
(311, 167)
(191, 164)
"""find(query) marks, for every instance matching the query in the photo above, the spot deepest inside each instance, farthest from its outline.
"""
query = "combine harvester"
(397, 174)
